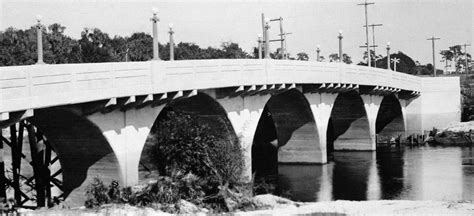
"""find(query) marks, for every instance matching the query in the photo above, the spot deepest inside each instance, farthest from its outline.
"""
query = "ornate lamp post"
(340, 45)
(318, 50)
(39, 39)
(388, 55)
(154, 20)
(260, 46)
(171, 42)
(267, 38)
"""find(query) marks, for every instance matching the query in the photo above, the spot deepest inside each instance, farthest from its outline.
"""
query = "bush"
(183, 143)
(96, 194)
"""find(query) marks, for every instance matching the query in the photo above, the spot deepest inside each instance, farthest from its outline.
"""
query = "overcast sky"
(406, 24)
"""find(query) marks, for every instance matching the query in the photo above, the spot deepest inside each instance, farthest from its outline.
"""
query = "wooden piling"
(15, 167)
(38, 171)
(3, 195)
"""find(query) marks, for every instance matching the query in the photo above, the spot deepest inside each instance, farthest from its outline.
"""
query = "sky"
(406, 23)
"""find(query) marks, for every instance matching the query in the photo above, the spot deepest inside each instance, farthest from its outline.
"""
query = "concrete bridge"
(98, 117)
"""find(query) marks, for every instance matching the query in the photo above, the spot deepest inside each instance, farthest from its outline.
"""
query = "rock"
(269, 200)
(185, 207)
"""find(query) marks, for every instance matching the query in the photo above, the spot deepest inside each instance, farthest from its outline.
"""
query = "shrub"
(183, 143)
(96, 194)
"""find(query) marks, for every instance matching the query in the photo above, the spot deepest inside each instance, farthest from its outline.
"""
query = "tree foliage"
(335, 58)
(183, 143)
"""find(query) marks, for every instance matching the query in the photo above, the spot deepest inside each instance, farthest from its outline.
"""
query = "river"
(420, 173)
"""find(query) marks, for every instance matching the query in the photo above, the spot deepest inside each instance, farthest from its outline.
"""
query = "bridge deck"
(38, 86)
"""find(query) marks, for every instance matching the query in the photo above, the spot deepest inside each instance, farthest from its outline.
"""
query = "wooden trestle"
(30, 190)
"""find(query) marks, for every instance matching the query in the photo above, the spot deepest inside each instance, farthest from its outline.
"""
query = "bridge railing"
(37, 86)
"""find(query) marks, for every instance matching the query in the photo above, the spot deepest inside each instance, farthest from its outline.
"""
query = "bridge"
(98, 117)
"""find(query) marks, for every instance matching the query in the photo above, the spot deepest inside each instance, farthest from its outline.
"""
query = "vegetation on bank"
(194, 167)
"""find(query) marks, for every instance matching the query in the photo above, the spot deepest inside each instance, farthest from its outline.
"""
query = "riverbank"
(278, 206)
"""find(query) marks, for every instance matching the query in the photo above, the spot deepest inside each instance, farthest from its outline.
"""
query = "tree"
(232, 51)
(95, 46)
(345, 58)
(183, 143)
(405, 64)
(302, 56)
(373, 59)
(60, 48)
(18, 47)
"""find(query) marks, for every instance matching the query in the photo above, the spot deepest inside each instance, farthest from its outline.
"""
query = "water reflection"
(426, 173)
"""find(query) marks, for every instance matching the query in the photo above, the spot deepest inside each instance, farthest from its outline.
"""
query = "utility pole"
(432, 39)
(368, 54)
(373, 39)
(260, 46)
(263, 27)
(282, 39)
(367, 29)
(465, 55)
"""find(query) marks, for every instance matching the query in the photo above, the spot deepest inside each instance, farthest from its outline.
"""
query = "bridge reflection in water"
(426, 173)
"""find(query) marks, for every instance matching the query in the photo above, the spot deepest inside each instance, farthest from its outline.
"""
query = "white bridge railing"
(38, 86)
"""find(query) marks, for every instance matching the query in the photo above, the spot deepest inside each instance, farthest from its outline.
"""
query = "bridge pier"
(244, 114)
(372, 105)
(321, 107)
(126, 132)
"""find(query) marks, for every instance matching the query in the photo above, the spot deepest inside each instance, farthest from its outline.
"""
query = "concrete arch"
(390, 121)
(286, 133)
(202, 106)
(83, 151)
(348, 126)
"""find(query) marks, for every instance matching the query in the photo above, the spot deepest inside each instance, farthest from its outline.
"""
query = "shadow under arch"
(206, 109)
(390, 120)
(348, 126)
(83, 151)
(286, 133)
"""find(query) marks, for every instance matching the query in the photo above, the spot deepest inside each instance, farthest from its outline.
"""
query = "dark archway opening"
(82, 149)
(348, 126)
(265, 146)
(390, 123)
(201, 106)
(286, 133)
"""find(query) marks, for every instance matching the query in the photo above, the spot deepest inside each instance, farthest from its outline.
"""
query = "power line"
(365, 4)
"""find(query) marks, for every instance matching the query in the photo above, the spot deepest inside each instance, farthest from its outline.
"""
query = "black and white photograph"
(236, 107)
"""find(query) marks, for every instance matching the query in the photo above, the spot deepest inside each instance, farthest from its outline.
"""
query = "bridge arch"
(348, 125)
(202, 106)
(83, 151)
(286, 133)
(390, 120)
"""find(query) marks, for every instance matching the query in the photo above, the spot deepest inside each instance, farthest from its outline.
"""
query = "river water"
(421, 173)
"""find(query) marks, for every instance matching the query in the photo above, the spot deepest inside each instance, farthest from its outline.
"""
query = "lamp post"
(171, 42)
(267, 38)
(155, 20)
(39, 40)
(259, 46)
(340, 45)
(317, 52)
(388, 55)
